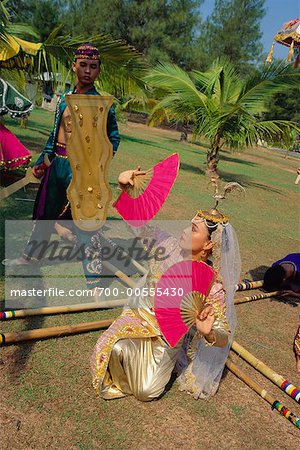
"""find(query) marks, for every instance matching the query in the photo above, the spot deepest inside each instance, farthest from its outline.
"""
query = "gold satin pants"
(141, 367)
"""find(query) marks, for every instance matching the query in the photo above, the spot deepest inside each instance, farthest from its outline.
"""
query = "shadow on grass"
(190, 168)
(247, 181)
(201, 144)
(22, 351)
(44, 131)
(34, 146)
(258, 274)
(169, 385)
(222, 156)
(237, 160)
(143, 142)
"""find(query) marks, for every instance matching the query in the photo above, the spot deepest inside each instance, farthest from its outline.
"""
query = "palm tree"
(122, 66)
(222, 107)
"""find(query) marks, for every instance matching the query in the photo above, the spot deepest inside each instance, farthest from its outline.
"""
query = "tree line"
(162, 30)
(205, 73)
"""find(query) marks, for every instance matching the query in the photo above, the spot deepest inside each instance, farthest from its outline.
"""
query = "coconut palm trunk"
(184, 132)
(212, 160)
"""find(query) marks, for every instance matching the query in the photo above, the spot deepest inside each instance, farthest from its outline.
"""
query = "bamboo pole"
(245, 285)
(277, 379)
(42, 333)
(65, 309)
(297, 179)
(125, 255)
(256, 297)
(119, 274)
(48, 310)
(275, 404)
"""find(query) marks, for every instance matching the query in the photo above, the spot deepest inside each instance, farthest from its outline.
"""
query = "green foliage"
(16, 78)
(163, 30)
(43, 15)
(285, 105)
(7, 28)
(122, 67)
(233, 31)
(223, 107)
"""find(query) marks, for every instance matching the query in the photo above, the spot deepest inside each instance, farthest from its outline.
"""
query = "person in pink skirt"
(13, 153)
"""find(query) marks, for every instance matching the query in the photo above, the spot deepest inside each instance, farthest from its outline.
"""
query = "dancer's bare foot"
(18, 262)
(64, 233)
(298, 365)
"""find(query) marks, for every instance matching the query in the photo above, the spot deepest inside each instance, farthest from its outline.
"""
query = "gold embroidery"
(61, 156)
(187, 382)
(126, 331)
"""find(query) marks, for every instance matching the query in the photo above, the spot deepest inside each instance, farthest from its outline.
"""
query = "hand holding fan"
(142, 200)
(180, 295)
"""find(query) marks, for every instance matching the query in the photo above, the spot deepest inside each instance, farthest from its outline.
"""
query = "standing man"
(52, 195)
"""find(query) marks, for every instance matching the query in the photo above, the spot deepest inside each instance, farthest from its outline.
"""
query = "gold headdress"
(215, 220)
(214, 215)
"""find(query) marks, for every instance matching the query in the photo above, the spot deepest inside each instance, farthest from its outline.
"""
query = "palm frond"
(21, 30)
(272, 79)
(16, 78)
(4, 13)
(112, 51)
(172, 79)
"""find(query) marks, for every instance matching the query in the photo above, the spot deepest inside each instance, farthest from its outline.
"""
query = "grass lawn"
(47, 400)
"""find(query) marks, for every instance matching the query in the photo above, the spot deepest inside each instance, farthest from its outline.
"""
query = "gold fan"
(140, 183)
(191, 305)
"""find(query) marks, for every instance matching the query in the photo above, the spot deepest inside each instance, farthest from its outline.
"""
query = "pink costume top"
(13, 153)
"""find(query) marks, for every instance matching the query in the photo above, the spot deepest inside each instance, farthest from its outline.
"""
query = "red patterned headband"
(87, 51)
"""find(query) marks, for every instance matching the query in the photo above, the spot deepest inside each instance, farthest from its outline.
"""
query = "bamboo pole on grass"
(65, 309)
(252, 298)
(42, 333)
(269, 373)
(125, 278)
(275, 404)
(245, 285)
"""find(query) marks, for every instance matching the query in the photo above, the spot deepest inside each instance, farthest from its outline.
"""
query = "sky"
(277, 12)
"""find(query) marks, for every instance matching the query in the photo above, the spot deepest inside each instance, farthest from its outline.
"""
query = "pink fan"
(180, 295)
(142, 201)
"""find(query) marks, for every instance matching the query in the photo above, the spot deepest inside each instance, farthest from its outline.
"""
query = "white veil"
(202, 377)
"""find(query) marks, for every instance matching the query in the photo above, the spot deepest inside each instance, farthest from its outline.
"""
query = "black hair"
(211, 227)
(273, 278)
